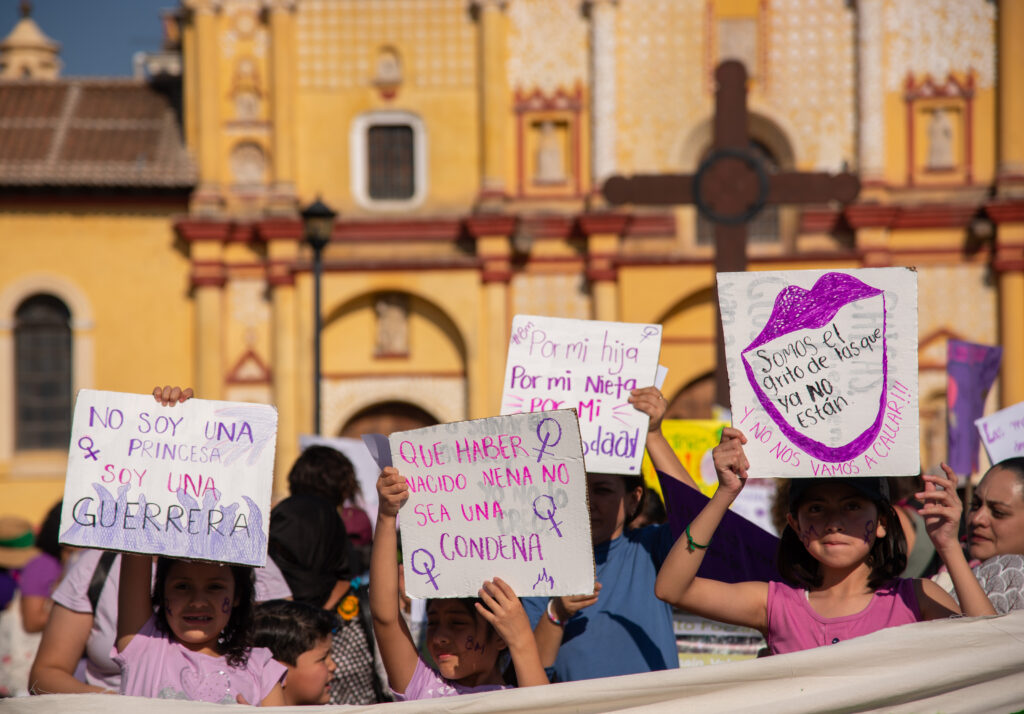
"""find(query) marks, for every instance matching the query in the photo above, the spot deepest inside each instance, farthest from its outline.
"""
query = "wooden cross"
(730, 187)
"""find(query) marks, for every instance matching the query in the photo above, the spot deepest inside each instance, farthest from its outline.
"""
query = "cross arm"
(791, 187)
(649, 189)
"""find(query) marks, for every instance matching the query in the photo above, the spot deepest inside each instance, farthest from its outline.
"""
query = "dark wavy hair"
(325, 472)
(235, 641)
(288, 628)
(887, 558)
(48, 537)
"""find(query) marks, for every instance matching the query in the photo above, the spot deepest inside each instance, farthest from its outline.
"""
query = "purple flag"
(971, 370)
(740, 550)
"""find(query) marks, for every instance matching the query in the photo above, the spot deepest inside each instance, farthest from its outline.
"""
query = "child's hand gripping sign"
(190, 480)
(505, 496)
(823, 370)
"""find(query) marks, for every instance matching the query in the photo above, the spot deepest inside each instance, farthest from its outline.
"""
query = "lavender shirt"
(794, 625)
(427, 683)
(97, 668)
(154, 666)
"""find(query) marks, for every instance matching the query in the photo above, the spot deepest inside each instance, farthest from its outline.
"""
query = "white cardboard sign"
(504, 496)
(191, 480)
(1002, 433)
(589, 366)
(823, 370)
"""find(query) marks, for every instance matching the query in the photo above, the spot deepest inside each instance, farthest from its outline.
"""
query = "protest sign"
(505, 496)
(191, 480)
(590, 366)
(1002, 433)
(823, 370)
(971, 369)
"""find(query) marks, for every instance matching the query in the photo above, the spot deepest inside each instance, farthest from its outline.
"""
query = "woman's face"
(995, 522)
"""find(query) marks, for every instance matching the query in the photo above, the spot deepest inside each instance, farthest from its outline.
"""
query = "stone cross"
(730, 187)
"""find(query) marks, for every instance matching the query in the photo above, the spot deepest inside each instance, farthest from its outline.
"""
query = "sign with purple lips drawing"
(191, 480)
(823, 370)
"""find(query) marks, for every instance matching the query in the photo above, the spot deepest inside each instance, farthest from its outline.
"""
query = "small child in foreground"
(299, 636)
(464, 637)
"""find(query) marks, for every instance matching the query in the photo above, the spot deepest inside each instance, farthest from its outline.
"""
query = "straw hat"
(16, 539)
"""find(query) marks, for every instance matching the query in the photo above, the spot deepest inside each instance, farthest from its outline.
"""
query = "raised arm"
(941, 511)
(651, 402)
(737, 603)
(397, 650)
(548, 633)
(500, 606)
(134, 597)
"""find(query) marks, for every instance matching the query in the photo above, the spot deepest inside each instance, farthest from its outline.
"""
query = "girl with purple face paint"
(839, 557)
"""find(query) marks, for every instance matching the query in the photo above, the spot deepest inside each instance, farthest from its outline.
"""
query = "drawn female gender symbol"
(549, 514)
(427, 565)
(86, 444)
(545, 438)
(649, 331)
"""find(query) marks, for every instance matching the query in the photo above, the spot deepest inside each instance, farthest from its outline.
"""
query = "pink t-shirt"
(427, 683)
(152, 665)
(794, 625)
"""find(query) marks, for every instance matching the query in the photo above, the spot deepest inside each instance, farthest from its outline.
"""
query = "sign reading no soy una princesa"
(823, 370)
(590, 366)
(191, 480)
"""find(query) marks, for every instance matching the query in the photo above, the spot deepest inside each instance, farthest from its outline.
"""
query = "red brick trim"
(602, 223)
(495, 224)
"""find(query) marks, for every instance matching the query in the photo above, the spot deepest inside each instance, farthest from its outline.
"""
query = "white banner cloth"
(962, 665)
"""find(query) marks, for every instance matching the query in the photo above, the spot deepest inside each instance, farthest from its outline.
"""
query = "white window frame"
(359, 151)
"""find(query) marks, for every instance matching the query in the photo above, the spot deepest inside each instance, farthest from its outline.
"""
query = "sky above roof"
(97, 37)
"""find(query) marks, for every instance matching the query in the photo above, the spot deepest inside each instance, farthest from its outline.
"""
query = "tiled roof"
(91, 133)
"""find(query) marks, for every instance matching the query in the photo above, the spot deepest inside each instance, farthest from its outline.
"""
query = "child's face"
(198, 598)
(836, 524)
(307, 680)
(609, 504)
(463, 645)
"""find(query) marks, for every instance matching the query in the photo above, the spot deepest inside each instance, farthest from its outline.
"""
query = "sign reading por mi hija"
(191, 480)
(504, 496)
(823, 370)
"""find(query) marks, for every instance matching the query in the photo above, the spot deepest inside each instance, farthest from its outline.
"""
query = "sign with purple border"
(191, 480)
(590, 366)
(823, 370)
(504, 496)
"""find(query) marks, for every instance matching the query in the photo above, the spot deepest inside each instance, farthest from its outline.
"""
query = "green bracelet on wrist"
(691, 544)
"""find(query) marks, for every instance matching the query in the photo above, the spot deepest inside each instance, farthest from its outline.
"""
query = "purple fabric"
(39, 576)
(426, 683)
(7, 588)
(971, 369)
(154, 666)
(794, 625)
(740, 550)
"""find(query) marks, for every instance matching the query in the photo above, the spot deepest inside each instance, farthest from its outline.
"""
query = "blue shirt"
(628, 629)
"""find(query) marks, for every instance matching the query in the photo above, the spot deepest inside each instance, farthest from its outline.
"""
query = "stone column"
(1010, 54)
(1008, 264)
(493, 92)
(205, 17)
(870, 92)
(603, 232)
(486, 369)
(282, 238)
(209, 275)
(282, 97)
(602, 91)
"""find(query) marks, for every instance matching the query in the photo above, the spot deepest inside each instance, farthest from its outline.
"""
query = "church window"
(388, 160)
(42, 347)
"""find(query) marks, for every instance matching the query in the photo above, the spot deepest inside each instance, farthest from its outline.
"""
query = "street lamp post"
(317, 224)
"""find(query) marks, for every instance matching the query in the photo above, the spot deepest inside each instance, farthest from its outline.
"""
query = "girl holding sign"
(464, 637)
(840, 557)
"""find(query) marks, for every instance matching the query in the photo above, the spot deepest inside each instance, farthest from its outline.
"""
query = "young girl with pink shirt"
(464, 638)
(840, 557)
(196, 643)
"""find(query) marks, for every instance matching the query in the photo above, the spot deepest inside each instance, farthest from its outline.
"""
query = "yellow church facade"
(463, 144)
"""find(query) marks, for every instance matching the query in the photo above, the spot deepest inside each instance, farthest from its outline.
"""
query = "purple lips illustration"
(797, 311)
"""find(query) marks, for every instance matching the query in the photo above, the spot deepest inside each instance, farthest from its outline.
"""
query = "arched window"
(764, 228)
(42, 349)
